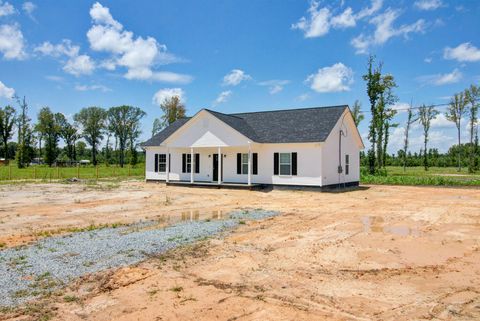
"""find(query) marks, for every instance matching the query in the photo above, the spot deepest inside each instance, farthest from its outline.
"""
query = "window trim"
(160, 163)
(280, 164)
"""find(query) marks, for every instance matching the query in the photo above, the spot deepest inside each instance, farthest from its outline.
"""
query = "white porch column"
(249, 165)
(219, 165)
(192, 167)
(167, 170)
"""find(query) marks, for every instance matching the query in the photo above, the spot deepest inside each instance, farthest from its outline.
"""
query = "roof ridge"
(290, 109)
(217, 112)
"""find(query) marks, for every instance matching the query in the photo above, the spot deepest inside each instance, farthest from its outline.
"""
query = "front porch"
(217, 185)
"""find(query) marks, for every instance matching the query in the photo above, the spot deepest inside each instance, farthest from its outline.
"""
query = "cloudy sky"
(235, 56)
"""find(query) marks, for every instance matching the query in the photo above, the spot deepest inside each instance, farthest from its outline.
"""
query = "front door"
(215, 168)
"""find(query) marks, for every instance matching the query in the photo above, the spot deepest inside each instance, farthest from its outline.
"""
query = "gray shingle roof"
(278, 126)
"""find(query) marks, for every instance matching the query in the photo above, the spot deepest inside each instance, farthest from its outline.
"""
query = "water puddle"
(376, 224)
(168, 219)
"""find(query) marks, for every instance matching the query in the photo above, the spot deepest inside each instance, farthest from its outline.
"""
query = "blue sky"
(235, 56)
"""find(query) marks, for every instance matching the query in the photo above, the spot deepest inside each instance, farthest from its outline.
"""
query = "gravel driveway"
(52, 262)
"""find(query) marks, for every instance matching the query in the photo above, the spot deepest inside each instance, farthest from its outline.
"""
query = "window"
(162, 163)
(347, 164)
(285, 164)
(189, 163)
(244, 163)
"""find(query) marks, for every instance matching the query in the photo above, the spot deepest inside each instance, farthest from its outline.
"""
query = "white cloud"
(303, 97)
(401, 107)
(441, 122)
(6, 92)
(11, 42)
(64, 48)
(54, 78)
(79, 65)
(101, 88)
(167, 93)
(319, 20)
(442, 79)
(76, 64)
(6, 9)
(428, 4)
(29, 7)
(344, 20)
(137, 54)
(335, 78)
(367, 12)
(463, 52)
(317, 24)
(235, 77)
(223, 97)
(274, 86)
(101, 15)
(384, 30)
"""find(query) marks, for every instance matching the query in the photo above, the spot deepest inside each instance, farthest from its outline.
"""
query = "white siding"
(330, 153)
(308, 164)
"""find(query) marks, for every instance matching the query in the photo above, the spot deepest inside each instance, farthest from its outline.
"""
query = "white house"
(301, 147)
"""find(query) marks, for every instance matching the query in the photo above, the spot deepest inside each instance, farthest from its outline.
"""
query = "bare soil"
(379, 252)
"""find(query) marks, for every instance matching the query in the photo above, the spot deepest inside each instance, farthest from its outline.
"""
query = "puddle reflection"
(376, 224)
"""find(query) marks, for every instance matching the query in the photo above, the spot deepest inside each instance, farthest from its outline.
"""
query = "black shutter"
(156, 163)
(239, 163)
(294, 164)
(275, 163)
(255, 163)
(197, 163)
(184, 163)
(169, 163)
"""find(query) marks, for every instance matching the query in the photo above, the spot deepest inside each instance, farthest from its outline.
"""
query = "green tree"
(456, 110)
(7, 123)
(125, 123)
(172, 109)
(25, 137)
(357, 113)
(373, 78)
(411, 119)
(92, 120)
(472, 97)
(49, 126)
(157, 126)
(381, 97)
(81, 150)
(426, 115)
(69, 133)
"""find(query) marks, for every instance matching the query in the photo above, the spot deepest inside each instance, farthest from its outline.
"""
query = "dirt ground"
(376, 253)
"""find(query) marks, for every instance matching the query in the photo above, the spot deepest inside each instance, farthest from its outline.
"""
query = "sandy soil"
(380, 252)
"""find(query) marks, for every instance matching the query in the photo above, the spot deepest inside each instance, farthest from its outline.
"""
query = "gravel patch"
(29, 271)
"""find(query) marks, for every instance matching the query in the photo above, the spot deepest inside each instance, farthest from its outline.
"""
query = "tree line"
(380, 88)
(92, 124)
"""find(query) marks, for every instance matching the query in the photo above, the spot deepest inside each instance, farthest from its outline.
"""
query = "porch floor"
(216, 185)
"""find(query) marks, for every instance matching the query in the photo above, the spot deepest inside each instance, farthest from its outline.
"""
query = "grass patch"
(417, 176)
(71, 298)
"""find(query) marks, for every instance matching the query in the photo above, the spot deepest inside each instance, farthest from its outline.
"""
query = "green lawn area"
(42, 172)
(438, 176)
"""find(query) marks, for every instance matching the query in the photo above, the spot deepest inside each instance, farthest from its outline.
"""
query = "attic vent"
(205, 123)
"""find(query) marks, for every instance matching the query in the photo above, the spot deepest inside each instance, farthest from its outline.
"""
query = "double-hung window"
(347, 164)
(285, 164)
(162, 163)
(244, 163)
(189, 163)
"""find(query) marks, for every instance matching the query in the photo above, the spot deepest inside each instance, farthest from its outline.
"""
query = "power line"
(418, 107)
